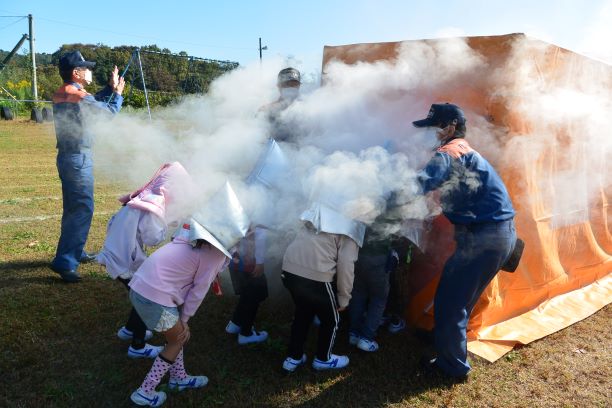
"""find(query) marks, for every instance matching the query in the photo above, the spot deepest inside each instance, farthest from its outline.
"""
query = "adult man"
(72, 108)
(288, 84)
(474, 198)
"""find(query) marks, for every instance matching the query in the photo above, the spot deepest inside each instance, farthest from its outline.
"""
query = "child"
(166, 291)
(377, 260)
(310, 263)
(247, 266)
(370, 292)
(143, 220)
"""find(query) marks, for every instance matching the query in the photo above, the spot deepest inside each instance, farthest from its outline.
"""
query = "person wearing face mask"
(474, 198)
(288, 84)
(72, 107)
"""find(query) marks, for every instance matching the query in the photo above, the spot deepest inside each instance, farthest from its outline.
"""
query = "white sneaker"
(232, 328)
(125, 334)
(334, 362)
(155, 399)
(148, 351)
(255, 337)
(353, 338)
(192, 381)
(291, 365)
(367, 345)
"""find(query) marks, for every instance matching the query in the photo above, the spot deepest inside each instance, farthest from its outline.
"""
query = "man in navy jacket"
(72, 107)
(474, 198)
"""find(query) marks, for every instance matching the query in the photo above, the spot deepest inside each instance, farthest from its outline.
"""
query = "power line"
(13, 23)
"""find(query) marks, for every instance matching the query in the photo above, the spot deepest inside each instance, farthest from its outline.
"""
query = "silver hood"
(271, 168)
(222, 221)
(324, 218)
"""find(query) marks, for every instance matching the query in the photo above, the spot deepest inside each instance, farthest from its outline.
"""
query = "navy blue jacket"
(471, 190)
(70, 102)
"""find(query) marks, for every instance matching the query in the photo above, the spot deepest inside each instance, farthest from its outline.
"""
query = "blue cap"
(441, 115)
(74, 59)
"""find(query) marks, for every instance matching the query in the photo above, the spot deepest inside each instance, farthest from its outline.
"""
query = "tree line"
(167, 77)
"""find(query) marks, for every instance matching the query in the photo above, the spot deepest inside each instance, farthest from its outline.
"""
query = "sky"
(297, 31)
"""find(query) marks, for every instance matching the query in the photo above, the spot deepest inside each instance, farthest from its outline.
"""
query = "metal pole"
(144, 87)
(265, 47)
(33, 56)
(13, 52)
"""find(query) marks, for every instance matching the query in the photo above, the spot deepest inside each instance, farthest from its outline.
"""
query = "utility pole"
(265, 47)
(33, 56)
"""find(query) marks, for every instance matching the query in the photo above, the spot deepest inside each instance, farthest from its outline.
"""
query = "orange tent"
(564, 275)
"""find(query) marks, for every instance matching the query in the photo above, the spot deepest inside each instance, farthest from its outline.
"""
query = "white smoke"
(354, 137)
(563, 101)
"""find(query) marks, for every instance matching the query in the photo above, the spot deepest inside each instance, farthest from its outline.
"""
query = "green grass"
(58, 346)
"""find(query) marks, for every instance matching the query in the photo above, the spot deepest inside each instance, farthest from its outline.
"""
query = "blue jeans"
(369, 296)
(481, 250)
(76, 173)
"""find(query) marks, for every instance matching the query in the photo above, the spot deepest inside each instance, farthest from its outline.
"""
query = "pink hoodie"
(169, 184)
(179, 274)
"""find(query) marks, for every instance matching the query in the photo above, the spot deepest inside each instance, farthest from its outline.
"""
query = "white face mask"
(86, 76)
(289, 93)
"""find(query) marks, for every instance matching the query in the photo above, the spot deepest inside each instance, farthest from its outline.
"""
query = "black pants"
(135, 323)
(395, 303)
(253, 291)
(312, 298)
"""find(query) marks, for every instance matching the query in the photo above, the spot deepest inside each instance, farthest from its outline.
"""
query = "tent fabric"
(564, 275)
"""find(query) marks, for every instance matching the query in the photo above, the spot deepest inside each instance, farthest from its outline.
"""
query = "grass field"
(58, 346)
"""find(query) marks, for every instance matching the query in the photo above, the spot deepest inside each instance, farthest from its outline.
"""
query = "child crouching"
(166, 291)
(143, 220)
(320, 252)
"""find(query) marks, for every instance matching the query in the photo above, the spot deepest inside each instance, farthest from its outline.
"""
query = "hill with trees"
(168, 76)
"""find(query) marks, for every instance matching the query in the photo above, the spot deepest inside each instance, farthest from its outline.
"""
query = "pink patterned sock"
(177, 370)
(158, 370)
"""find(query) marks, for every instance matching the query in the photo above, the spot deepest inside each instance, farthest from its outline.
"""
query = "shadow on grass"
(18, 274)
(363, 386)
(19, 265)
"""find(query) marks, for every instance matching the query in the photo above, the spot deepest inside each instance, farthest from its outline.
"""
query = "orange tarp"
(564, 275)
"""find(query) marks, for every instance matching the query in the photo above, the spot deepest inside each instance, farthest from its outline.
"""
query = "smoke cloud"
(354, 139)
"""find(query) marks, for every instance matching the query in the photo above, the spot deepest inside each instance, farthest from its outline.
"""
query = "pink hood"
(169, 184)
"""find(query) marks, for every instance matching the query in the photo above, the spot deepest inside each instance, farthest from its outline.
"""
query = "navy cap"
(74, 59)
(288, 75)
(441, 115)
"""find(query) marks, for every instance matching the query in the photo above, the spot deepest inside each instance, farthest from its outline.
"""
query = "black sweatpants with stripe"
(312, 298)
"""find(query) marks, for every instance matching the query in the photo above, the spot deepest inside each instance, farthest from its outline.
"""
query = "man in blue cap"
(474, 198)
(72, 107)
